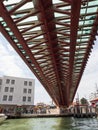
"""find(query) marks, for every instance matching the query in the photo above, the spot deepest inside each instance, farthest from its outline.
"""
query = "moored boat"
(2, 117)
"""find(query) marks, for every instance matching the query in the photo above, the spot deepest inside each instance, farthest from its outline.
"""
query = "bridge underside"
(54, 38)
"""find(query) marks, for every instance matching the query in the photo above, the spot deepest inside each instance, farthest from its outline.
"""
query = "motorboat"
(2, 117)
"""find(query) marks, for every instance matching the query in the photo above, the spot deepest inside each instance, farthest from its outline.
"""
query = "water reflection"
(67, 124)
(78, 124)
(50, 124)
(86, 124)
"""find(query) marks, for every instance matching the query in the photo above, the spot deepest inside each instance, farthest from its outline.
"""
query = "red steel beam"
(87, 53)
(31, 13)
(61, 54)
(18, 6)
(23, 57)
(75, 14)
(43, 17)
(4, 14)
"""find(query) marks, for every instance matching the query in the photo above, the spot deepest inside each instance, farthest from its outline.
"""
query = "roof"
(94, 100)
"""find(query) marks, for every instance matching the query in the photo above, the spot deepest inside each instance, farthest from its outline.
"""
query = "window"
(29, 90)
(25, 83)
(5, 98)
(11, 89)
(30, 83)
(12, 81)
(7, 81)
(24, 98)
(24, 90)
(6, 89)
(29, 99)
(10, 98)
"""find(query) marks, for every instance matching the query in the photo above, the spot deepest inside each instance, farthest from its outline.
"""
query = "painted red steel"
(48, 35)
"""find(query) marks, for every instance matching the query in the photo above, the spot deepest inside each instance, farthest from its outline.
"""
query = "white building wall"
(18, 92)
(0, 83)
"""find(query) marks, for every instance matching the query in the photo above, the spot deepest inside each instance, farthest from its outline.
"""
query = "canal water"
(50, 124)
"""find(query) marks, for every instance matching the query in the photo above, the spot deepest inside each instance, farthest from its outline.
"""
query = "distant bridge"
(54, 38)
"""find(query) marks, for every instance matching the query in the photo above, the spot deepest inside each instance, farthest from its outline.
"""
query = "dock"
(13, 116)
(76, 115)
(83, 111)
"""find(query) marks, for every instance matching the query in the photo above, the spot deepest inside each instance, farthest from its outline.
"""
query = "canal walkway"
(85, 115)
(38, 115)
(79, 112)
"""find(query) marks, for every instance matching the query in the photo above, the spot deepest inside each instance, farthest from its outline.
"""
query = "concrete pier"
(83, 111)
(38, 116)
(79, 111)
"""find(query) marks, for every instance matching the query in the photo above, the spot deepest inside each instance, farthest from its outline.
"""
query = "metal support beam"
(75, 14)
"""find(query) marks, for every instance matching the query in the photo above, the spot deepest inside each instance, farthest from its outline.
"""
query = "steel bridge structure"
(54, 38)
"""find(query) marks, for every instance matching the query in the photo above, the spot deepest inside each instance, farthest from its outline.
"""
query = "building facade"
(16, 91)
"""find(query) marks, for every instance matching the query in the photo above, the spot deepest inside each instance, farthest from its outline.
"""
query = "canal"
(51, 124)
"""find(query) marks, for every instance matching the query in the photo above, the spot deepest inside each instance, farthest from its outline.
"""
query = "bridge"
(54, 38)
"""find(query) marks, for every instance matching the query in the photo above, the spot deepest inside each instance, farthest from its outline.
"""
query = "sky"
(12, 65)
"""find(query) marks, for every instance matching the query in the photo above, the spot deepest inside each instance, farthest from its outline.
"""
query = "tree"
(84, 101)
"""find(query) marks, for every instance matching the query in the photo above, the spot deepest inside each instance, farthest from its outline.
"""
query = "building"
(94, 102)
(16, 91)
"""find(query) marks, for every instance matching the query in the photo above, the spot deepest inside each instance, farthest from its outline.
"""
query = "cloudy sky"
(12, 65)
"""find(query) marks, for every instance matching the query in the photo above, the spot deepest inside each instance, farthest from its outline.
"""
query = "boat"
(2, 117)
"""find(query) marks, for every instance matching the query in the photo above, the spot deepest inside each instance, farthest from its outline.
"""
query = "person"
(48, 111)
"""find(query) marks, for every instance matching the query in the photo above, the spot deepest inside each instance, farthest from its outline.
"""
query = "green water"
(50, 124)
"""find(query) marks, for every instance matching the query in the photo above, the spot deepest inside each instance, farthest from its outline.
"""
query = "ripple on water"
(50, 124)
